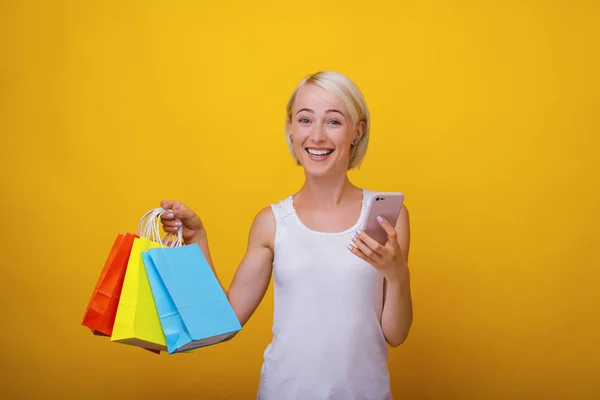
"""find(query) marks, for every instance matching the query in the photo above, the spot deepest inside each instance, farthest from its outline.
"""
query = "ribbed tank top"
(328, 343)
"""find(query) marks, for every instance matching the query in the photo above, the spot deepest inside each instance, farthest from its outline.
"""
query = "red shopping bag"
(102, 307)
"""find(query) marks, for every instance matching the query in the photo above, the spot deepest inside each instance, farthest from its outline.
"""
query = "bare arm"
(397, 309)
(391, 260)
(252, 277)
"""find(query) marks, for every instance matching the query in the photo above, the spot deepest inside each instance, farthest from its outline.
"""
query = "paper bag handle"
(149, 227)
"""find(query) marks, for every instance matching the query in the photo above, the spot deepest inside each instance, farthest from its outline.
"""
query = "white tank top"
(328, 343)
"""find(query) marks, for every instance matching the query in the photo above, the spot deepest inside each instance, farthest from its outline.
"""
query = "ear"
(360, 130)
(288, 126)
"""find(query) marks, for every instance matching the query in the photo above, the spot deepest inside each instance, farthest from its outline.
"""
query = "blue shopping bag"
(193, 309)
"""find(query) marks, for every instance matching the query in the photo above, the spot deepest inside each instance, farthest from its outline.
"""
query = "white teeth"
(319, 152)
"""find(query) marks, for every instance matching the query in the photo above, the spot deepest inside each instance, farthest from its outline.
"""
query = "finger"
(390, 230)
(171, 222)
(373, 244)
(171, 229)
(176, 209)
(354, 250)
(168, 204)
(365, 249)
(184, 214)
(167, 216)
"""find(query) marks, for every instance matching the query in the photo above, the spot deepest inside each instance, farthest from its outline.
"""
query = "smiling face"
(322, 131)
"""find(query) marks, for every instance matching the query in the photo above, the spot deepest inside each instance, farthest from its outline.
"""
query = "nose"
(318, 133)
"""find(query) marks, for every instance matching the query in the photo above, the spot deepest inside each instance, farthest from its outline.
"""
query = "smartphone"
(387, 205)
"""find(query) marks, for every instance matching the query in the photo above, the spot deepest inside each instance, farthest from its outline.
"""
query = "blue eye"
(303, 120)
(335, 122)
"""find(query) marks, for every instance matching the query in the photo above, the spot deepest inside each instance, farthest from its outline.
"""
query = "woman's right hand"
(179, 215)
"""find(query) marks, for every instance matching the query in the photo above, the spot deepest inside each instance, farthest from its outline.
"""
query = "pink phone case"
(387, 205)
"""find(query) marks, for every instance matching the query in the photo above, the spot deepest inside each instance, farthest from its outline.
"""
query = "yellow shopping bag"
(137, 322)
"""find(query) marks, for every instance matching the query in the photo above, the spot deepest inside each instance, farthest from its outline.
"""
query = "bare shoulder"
(262, 232)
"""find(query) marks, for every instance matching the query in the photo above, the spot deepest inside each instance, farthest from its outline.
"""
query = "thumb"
(178, 209)
(168, 204)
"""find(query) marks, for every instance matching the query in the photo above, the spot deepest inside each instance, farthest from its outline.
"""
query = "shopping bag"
(102, 307)
(137, 321)
(193, 309)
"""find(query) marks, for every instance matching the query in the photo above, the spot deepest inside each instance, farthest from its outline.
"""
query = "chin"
(319, 169)
(316, 172)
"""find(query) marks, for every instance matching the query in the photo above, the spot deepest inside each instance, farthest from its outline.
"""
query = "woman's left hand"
(388, 258)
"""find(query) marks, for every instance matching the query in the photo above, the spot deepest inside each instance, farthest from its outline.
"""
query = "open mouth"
(318, 153)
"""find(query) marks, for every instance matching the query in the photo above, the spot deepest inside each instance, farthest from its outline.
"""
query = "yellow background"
(485, 114)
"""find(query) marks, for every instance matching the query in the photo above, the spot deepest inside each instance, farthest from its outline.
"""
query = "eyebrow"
(330, 110)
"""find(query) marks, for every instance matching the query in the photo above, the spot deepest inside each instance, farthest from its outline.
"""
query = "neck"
(325, 191)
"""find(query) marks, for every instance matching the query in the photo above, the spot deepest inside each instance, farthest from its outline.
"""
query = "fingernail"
(358, 231)
(170, 215)
(379, 218)
(350, 247)
(353, 238)
(177, 212)
(178, 223)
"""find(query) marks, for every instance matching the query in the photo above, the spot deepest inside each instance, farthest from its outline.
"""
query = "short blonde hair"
(353, 101)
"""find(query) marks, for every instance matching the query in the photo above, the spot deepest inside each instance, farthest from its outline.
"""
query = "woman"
(340, 297)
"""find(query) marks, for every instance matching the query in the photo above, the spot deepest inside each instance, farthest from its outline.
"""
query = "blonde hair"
(354, 102)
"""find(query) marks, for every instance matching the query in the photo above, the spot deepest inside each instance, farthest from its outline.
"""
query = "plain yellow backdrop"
(484, 113)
